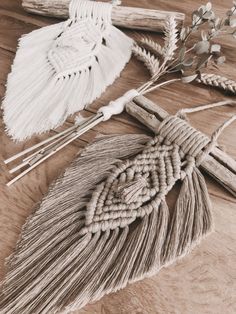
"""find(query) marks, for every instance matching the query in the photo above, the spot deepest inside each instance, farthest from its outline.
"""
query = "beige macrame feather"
(60, 69)
(105, 222)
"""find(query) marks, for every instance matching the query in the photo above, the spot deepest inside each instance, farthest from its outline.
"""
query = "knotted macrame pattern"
(60, 69)
(137, 186)
(106, 223)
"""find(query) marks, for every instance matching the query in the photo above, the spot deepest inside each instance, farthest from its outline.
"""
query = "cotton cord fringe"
(60, 69)
(105, 222)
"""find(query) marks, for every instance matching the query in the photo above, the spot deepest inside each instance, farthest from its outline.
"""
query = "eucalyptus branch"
(176, 56)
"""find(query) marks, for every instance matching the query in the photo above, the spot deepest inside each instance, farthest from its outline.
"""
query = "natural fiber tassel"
(52, 259)
(85, 241)
(130, 191)
(192, 219)
(70, 65)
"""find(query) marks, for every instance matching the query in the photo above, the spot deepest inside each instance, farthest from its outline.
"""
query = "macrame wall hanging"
(105, 222)
(178, 54)
(62, 68)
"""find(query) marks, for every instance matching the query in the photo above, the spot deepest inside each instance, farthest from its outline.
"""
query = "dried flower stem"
(188, 61)
(160, 85)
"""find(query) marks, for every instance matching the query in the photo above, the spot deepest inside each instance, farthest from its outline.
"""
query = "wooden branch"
(220, 173)
(143, 116)
(218, 164)
(128, 17)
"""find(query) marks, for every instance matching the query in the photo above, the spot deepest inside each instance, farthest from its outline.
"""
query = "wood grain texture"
(128, 17)
(203, 282)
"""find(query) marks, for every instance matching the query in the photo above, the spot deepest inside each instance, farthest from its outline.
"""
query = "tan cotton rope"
(217, 132)
(92, 247)
(137, 186)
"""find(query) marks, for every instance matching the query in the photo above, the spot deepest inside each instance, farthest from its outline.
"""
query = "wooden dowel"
(128, 17)
(143, 116)
(220, 173)
(218, 164)
(224, 159)
(159, 112)
(151, 107)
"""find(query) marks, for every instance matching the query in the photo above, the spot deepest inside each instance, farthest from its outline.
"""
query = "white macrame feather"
(60, 69)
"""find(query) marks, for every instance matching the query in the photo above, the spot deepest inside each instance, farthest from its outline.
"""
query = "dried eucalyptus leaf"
(196, 20)
(226, 22)
(202, 47)
(229, 13)
(203, 35)
(217, 22)
(209, 15)
(208, 6)
(214, 33)
(183, 34)
(182, 53)
(202, 61)
(211, 24)
(189, 79)
(221, 60)
(215, 48)
(232, 21)
(195, 13)
(201, 10)
(188, 62)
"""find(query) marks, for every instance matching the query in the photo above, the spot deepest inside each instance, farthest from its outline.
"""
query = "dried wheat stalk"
(155, 57)
(151, 63)
(218, 81)
(170, 38)
(185, 57)
(152, 46)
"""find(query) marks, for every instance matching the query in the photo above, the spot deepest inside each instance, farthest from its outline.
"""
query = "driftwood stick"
(220, 173)
(160, 113)
(143, 116)
(152, 107)
(128, 17)
(218, 164)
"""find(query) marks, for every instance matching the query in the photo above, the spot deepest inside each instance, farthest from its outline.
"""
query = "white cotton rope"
(117, 106)
(71, 64)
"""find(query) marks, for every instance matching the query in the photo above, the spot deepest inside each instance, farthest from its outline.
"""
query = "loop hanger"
(215, 135)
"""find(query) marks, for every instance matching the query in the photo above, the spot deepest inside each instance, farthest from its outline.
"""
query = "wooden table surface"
(204, 281)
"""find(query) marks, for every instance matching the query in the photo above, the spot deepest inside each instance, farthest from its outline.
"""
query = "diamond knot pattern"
(75, 47)
(134, 188)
